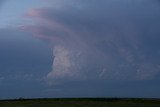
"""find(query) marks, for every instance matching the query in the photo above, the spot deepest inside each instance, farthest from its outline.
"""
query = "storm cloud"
(105, 39)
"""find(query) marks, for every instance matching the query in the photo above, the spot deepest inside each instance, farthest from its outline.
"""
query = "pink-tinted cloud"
(93, 43)
(34, 13)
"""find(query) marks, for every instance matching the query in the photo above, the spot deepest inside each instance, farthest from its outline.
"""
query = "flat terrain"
(81, 102)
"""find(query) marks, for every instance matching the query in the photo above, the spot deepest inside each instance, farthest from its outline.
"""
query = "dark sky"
(82, 48)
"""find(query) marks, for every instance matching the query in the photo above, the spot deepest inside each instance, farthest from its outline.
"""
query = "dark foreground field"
(81, 102)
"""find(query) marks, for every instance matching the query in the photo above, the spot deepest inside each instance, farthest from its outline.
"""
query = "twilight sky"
(79, 48)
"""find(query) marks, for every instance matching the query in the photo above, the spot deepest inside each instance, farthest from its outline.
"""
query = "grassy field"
(81, 102)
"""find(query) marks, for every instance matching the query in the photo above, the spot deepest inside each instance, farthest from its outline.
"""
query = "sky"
(79, 48)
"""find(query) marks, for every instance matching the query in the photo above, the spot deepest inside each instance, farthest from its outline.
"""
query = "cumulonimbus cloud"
(100, 39)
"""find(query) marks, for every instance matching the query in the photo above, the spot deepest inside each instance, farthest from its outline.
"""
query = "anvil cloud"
(106, 39)
(79, 48)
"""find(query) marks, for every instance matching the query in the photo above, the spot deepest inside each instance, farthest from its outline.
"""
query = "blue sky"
(12, 11)
(82, 48)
